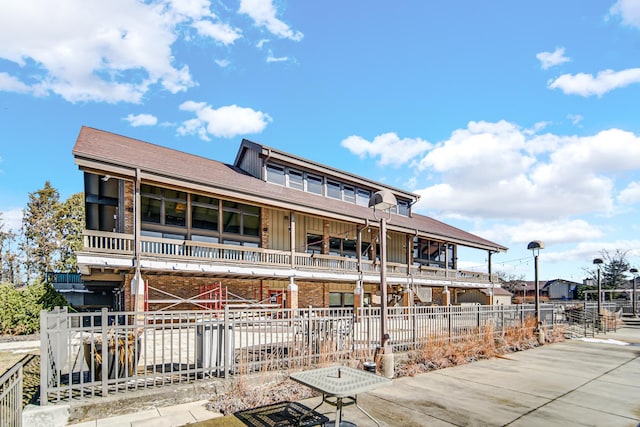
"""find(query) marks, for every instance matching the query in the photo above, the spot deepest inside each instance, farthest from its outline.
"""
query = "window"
(314, 184)
(275, 174)
(241, 219)
(340, 299)
(362, 197)
(403, 207)
(434, 253)
(333, 190)
(204, 212)
(296, 179)
(349, 194)
(342, 247)
(163, 206)
(314, 244)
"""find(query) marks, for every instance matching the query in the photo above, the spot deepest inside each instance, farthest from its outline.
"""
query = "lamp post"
(598, 262)
(535, 247)
(524, 293)
(383, 200)
(634, 303)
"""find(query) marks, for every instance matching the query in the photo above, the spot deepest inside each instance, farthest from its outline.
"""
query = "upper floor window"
(163, 205)
(434, 253)
(238, 218)
(362, 197)
(275, 174)
(204, 212)
(296, 179)
(333, 190)
(314, 184)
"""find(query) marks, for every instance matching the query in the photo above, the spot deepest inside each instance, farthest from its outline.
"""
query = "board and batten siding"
(252, 163)
(279, 230)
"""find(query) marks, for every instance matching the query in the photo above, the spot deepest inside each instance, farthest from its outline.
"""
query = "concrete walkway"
(573, 383)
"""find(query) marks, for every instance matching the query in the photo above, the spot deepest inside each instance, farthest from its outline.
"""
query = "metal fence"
(11, 397)
(98, 354)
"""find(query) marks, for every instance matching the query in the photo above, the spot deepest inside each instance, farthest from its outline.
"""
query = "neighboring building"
(271, 228)
(560, 289)
(486, 296)
(74, 291)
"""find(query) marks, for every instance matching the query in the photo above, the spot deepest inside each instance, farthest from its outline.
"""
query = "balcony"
(165, 251)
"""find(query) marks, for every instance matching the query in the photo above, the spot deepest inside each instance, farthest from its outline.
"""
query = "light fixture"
(535, 247)
(598, 262)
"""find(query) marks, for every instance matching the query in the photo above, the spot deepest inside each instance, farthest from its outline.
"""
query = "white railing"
(103, 353)
(11, 397)
(116, 243)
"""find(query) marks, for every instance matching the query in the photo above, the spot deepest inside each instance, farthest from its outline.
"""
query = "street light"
(598, 262)
(535, 247)
(634, 303)
(383, 200)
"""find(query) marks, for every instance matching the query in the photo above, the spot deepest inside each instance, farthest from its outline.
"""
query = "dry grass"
(438, 352)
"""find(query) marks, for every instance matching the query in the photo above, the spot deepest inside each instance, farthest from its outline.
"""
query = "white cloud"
(391, 149)
(223, 63)
(628, 10)
(551, 232)
(93, 51)
(263, 14)
(272, 58)
(498, 171)
(222, 33)
(575, 118)
(10, 83)
(630, 195)
(587, 85)
(224, 122)
(12, 220)
(551, 59)
(141, 120)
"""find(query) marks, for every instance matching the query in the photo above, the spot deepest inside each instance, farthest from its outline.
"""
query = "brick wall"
(128, 207)
(312, 294)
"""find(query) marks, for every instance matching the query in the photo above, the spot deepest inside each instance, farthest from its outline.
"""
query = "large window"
(342, 247)
(241, 219)
(164, 211)
(163, 206)
(296, 179)
(433, 253)
(362, 197)
(314, 244)
(204, 212)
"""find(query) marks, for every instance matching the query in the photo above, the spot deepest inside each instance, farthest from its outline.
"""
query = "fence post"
(226, 343)
(104, 326)
(44, 358)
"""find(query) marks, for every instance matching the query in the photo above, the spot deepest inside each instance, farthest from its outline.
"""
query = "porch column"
(407, 297)
(292, 238)
(358, 298)
(292, 295)
(446, 296)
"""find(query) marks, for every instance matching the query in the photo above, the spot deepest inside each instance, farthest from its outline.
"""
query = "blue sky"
(516, 121)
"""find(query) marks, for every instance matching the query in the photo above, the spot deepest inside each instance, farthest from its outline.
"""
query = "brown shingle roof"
(105, 152)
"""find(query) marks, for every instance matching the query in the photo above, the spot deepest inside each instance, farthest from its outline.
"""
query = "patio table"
(339, 386)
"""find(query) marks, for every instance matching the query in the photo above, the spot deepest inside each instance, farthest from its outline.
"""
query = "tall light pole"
(598, 262)
(383, 200)
(535, 247)
(634, 303)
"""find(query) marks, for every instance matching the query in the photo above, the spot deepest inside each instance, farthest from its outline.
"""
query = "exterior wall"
(129, 207)
(266, 230)
(558, 291)
(277, 222)
(502, 300)
(471, 296)
(252, 163)
(312, 294)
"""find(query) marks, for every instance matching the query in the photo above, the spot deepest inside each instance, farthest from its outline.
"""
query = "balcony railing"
(189, 250)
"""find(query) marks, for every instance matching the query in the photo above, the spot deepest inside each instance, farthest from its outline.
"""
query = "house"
(484, 296)
(181, 231)
(560, 289)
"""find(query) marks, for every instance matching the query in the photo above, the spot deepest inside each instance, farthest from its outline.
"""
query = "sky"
(516, 121)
